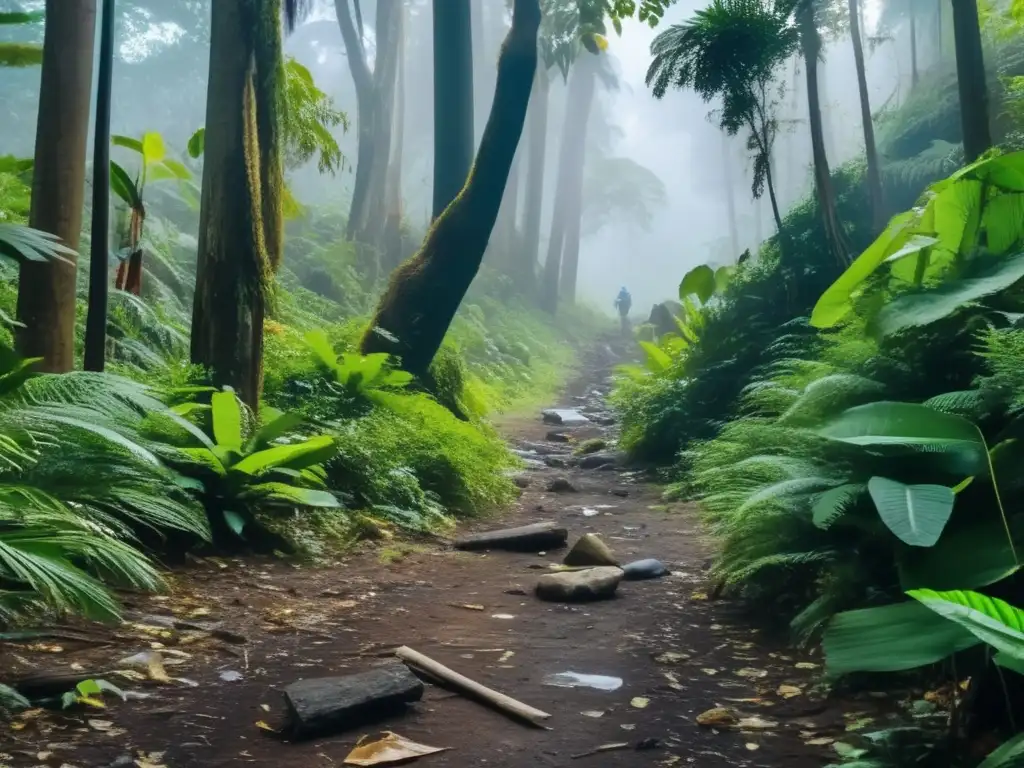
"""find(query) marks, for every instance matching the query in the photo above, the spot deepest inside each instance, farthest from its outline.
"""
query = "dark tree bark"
(810, 43)
(46, 290)
(870, 151)
(572, 156)
(370, 97)
(240, 225)
(425, 292)
(970, 73)
(534, 193)
(453, 100)
(99, 271)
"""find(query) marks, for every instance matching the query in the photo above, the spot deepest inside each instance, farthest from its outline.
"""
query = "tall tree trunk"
(776, 213)
(572, 156)
(390, 29)
(874, 176)
(810, 42)
(730, 199)
(504, 235)
(571, 249)
(240, 223)
(46, 290)
(939, 42)
(425, 292)
(393, 246)
(970, 73)
(913, 47)
(453, 100)
(99, 269)
(534, 194)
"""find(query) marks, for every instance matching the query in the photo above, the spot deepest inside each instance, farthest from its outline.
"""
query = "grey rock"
(537, 537)
(599, 459)
(620, 492)
(590, 549)
(555, 462)
(521, 480)
(560, 485)
(556, 437)
(579, 586)
(648, 568)
(566, 417)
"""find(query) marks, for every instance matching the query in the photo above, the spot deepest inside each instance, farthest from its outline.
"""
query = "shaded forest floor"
(247, 627)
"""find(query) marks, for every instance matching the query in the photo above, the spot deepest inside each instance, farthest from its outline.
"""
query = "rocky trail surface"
(659, 674)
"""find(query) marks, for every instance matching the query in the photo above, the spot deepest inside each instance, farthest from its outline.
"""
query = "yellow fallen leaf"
(699, 596)
(751, 673)
(806, 665)
(709, 671)
(789, 691)
(264, 726)
(468, 606)
(92, 701)
(392, 748)
(100, 725)
(671, 657)
(640, 702)
(756, 724)
(718, 717)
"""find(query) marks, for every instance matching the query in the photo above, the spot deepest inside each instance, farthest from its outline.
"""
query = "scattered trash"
(579, 680)
(590, 512)
(640, 702)
(506, 656)
(230, 676)
(388, 750)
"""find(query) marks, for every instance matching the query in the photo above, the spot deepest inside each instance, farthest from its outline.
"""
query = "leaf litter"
(388, 750)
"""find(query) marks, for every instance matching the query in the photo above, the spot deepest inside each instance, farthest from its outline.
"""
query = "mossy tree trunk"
(810, 43)
(874, 176)
(534, 192)
(99, 268)
(972, 83)
(425, 292)
(241, 226)
(453, 100)
(572, 157)
(46, 290)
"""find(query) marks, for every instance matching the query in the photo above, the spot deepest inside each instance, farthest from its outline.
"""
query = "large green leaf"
(197, 144)
(918, 309)
(153, 149)
(833, 503)
(23, 243)
(122, 185)
(291, 494)
(891, 638)
(1003, 221)
(989, 619)
(699, 282)
(322, 349)
(227, 420)
(957, 211)
(658, 359)
(127, 142)
(278, 426)
(835, 302)
(1009, 754)
(1004, 171)
(910, 426)
(916, 514)
(316, 450)
(944, 566)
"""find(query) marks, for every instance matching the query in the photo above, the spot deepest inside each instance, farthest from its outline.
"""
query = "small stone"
(554, 462)
(620, 492)
(556, 437)
(648, 568)
(521, 480)
(579, 586)
(566, 417)
(599, 459)
(560, 485)
(590, 549)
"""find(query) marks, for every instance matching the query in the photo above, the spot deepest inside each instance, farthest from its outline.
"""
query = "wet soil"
(677, 652)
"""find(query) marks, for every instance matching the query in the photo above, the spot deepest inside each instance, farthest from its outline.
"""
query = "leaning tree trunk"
(240, 223)
(46, 290)
(393, 246)
(730, 199)
(99, 269)
(870, 151)
(425, 292)
(453, 100)
(571, 158)
(810, 42)
(970, 73)
(534, 193)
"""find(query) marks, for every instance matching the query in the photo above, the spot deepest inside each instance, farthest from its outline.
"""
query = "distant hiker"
(623, 303)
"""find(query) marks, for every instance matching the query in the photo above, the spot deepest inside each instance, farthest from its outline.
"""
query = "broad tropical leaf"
(916, 514)
(1010, 754)
(699, 282)
(19, 242)
(658, 359)
(891, 638)
(197, 144)
(989, 619)
(291, 494)
(316, 450)
(944, 566)
(226, 412)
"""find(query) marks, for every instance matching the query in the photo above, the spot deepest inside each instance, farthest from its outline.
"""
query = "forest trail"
(677, 652)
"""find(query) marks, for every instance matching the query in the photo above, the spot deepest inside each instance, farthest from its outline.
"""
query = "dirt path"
(669, 643)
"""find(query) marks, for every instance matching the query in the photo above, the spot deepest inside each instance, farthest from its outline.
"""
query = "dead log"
(537, 537)
(331, 704)
(437, 671)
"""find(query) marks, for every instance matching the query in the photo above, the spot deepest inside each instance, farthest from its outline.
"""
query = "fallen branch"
(471, 688)
(603, 748)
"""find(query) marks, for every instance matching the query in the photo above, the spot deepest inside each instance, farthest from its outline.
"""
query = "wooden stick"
(469, 687)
